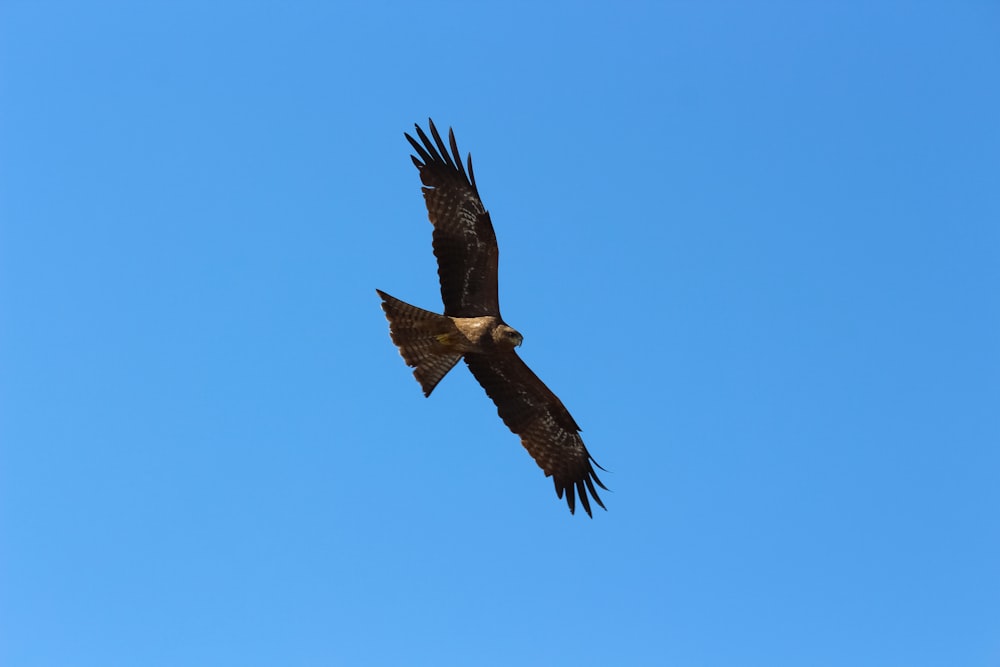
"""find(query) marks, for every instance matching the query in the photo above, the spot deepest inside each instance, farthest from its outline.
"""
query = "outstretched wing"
(547, 430)
(464, 242)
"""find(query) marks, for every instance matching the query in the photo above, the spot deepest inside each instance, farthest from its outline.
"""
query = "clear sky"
(755, 250)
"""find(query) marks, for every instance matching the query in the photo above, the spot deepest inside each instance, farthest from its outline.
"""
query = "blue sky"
(755, 250)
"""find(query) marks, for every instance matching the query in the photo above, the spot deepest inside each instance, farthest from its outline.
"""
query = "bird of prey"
(472, 329)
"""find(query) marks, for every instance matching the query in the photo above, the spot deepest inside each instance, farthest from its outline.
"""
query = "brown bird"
(472, 329)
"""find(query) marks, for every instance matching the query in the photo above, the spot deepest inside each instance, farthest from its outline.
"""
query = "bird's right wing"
(464, 241)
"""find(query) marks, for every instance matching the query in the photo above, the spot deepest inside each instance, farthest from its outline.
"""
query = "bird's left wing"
(547, 430)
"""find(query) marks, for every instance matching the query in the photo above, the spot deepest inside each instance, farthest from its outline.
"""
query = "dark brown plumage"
(471, 328)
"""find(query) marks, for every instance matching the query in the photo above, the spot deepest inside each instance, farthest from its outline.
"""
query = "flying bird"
(471, 327)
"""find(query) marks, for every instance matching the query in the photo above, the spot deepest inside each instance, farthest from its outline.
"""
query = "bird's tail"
(422, 338)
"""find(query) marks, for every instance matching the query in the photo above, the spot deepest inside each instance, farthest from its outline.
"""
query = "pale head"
(505, 336)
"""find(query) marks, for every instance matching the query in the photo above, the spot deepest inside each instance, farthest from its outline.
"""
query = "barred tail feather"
(420, 336)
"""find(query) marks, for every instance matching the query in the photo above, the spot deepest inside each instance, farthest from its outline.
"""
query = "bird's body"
(472, 329)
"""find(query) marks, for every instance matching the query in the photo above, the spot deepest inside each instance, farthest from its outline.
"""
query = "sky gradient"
(755, 251)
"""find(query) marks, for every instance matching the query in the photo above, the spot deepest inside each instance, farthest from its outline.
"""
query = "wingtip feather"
(433, 149)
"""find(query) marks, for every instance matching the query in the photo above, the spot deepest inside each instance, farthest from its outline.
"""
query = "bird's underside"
(471, 327)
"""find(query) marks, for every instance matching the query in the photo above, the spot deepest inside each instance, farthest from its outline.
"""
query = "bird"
(472, 329)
